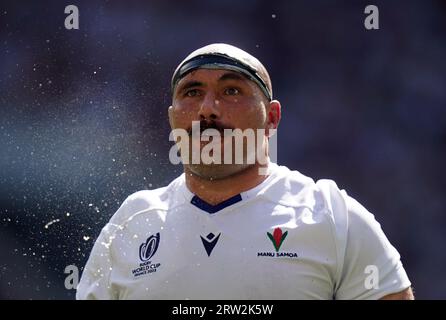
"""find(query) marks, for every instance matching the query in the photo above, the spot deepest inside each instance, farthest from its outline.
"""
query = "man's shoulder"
(322, 197)
(292, 188)
(149, 201)
(326, 201)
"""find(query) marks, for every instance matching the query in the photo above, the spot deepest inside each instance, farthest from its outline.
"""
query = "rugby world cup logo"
(148, 248)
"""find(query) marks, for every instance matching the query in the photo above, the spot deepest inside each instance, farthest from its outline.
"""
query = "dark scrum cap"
(225, 56)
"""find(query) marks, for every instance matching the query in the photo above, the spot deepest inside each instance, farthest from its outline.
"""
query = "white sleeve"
(369, 267)
(94, 283)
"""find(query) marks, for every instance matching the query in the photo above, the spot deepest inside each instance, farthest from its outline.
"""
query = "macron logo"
(209, 242)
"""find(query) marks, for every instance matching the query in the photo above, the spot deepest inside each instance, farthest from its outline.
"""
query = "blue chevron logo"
(209, 242)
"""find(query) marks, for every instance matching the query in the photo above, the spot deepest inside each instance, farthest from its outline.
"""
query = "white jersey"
(287, 238)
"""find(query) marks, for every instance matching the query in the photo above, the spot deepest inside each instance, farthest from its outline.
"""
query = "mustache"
(204, 124)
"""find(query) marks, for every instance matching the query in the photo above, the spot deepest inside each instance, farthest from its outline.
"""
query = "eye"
(192, 93)
(231, 91)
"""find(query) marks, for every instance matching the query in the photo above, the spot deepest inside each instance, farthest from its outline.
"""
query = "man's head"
(223, 87)
(224, 56)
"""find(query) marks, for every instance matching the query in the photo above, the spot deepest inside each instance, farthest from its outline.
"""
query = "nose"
(209, 109)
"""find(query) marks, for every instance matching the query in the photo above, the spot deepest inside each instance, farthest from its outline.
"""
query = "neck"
(217, 191)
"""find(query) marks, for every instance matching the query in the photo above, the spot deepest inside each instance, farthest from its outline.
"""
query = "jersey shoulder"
(294, 189)
(149, 201)
(323, 197)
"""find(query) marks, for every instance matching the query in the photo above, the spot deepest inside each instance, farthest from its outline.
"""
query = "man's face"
(220, 99)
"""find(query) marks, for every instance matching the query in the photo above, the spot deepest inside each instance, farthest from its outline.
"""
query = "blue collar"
(203, 205)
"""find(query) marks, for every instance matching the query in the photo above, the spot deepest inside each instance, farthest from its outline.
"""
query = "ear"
(170, 112)
(273, 116)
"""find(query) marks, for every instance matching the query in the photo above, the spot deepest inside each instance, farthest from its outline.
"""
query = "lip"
(204, 126)
(208, 132)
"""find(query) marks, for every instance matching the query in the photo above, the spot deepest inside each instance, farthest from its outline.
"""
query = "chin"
(217, 171)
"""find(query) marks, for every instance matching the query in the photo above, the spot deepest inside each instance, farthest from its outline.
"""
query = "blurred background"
(83, 117)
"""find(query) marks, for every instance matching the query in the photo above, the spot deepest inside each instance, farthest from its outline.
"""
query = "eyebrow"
(224, 77)
(190, 84)
(231, 76)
